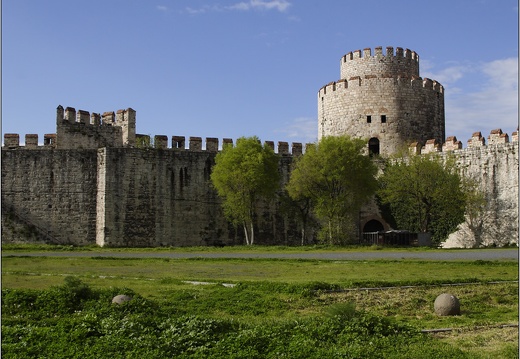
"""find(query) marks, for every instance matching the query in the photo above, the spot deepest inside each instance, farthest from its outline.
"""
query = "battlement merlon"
(126, 120)
(497, 136)
(358, 63)
(476, 140)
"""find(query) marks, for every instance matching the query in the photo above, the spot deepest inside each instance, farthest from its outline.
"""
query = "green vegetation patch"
(254, 308)
(74, 320)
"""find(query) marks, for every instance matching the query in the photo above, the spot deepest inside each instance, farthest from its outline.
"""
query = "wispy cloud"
(262, 5)
(279, 5)
(161, 8)
(202, 10)
(489, 101)
(303, 129)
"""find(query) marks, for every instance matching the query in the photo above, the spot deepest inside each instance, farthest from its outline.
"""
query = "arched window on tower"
(373, 146)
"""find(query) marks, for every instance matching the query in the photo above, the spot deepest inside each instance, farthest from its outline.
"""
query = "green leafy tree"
(425, 194)
(338, 178)
(244, 175)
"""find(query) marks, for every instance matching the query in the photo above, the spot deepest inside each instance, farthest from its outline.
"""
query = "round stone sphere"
(446, 304)
(121, 298)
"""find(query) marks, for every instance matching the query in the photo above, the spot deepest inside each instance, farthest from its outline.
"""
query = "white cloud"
(448, 75)
(303, 129)
(504, 73)
(161, 8)
(240, 6)
(490, 102)
(201, 10)
(278, 5)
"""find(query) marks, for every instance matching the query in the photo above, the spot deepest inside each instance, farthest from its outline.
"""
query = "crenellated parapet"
(399, 81)
(81, 129)
(362, 63)
(12, 141)
(211, 144)
(496, 137)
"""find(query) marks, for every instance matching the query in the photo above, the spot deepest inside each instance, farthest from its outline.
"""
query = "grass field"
(276, 293)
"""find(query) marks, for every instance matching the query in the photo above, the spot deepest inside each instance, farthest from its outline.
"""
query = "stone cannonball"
(446, 304)
(121, 298)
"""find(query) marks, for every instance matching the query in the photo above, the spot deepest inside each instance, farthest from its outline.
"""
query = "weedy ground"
(61, 307)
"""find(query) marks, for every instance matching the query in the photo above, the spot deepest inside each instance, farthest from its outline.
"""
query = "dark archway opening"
(373, 146)
(373, 226)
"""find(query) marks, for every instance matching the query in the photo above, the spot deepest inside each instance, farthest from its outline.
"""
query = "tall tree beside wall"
(338, 178)
(243, 175)
(425, 194)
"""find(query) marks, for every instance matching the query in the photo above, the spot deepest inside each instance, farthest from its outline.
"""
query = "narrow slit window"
(369, 119)
(383, 118)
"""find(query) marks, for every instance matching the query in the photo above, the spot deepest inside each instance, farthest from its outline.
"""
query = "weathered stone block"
(121, 298)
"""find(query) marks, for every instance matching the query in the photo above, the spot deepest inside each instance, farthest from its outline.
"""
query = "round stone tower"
(382, 99)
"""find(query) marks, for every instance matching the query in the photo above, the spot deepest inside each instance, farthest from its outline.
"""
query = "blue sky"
(234, 68)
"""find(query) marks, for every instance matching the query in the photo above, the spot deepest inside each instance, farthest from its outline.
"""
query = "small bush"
(18, 301)
(342, 311)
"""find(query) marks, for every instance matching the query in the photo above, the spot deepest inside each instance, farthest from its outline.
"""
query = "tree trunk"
(252, 234)
(330, 232)
(246, 234)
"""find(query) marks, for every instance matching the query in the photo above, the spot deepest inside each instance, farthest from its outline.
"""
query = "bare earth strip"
(445, 255)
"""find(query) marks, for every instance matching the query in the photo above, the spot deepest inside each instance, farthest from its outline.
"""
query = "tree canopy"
(425, 194)
(338, 178)
(243, 175)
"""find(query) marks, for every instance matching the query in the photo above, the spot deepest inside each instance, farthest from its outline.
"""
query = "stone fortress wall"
(493, 164)
(98, 182)
(382, 98)
(89, 186)
(121, 195)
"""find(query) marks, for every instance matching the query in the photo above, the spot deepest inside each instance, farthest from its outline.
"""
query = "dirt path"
(447, 255)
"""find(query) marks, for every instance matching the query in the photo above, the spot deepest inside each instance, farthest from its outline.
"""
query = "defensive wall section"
(493, 164)
(160, 194)
(163, 197)
(119, 194)
(48, 195)
(381, 97)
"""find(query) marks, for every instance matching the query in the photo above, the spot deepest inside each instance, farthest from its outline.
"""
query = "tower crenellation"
(357, 63)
